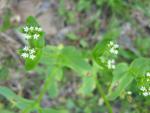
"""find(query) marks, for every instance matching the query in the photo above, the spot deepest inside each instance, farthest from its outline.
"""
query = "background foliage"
(68, 75)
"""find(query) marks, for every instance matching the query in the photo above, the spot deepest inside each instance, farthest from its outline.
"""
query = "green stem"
(101, 92)
(46, 85)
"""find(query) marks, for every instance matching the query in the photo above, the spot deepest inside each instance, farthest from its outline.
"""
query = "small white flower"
(36, 28)
(113, 61)
(36, 36)
(129, 92)
(116, 46)
(142, 88)
(31, 28)
(111, 64)
(113, 48)
(39, 29)
(111, 43)
(115, 52)
(101, 101)
(26, 29)
(32, 51)
(148, 74)
(26, 48)
(32, 56)
(25, 55)
(145, 93)
(27, 36)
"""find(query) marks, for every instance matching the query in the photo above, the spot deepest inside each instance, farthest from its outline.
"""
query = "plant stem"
(46, 84)
(101, 92)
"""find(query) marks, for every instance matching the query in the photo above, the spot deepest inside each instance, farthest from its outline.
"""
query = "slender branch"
(46, 85)
(101, 92)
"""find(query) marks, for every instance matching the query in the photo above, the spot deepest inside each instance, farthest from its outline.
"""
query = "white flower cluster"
(28, 53)
(32, 32)
(111, 64)
(113, 50)
(146, 91)
(148, 76)
(113, 47)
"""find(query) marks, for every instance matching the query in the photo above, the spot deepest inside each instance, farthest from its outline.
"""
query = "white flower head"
(26, 48)
(32, 51)
(25, 55)
(36, 28)
(113, 48)
(145, 93)
(111, 43)
(32, 56)
(36, 36)
(148, 74)
(31, 28)
(28, 53)
(113, 51)
(39, 29)
(116, 46)
(111, 64)
(129, 92)
(26, 29)
(27, 36)
(142, 88)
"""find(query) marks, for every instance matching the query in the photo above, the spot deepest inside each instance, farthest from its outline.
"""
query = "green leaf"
(18, 101)
(99, 50)
(88, 85)
(73, 59)
(31, 21)
(121, 79)
(59, 74)
(7, 93)
(49, 56)
(50, 110)
(53, 85)
(89, 81)
(140, 66)
(119, 86)
(120, 69)
(55, 75)
(5, 111)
